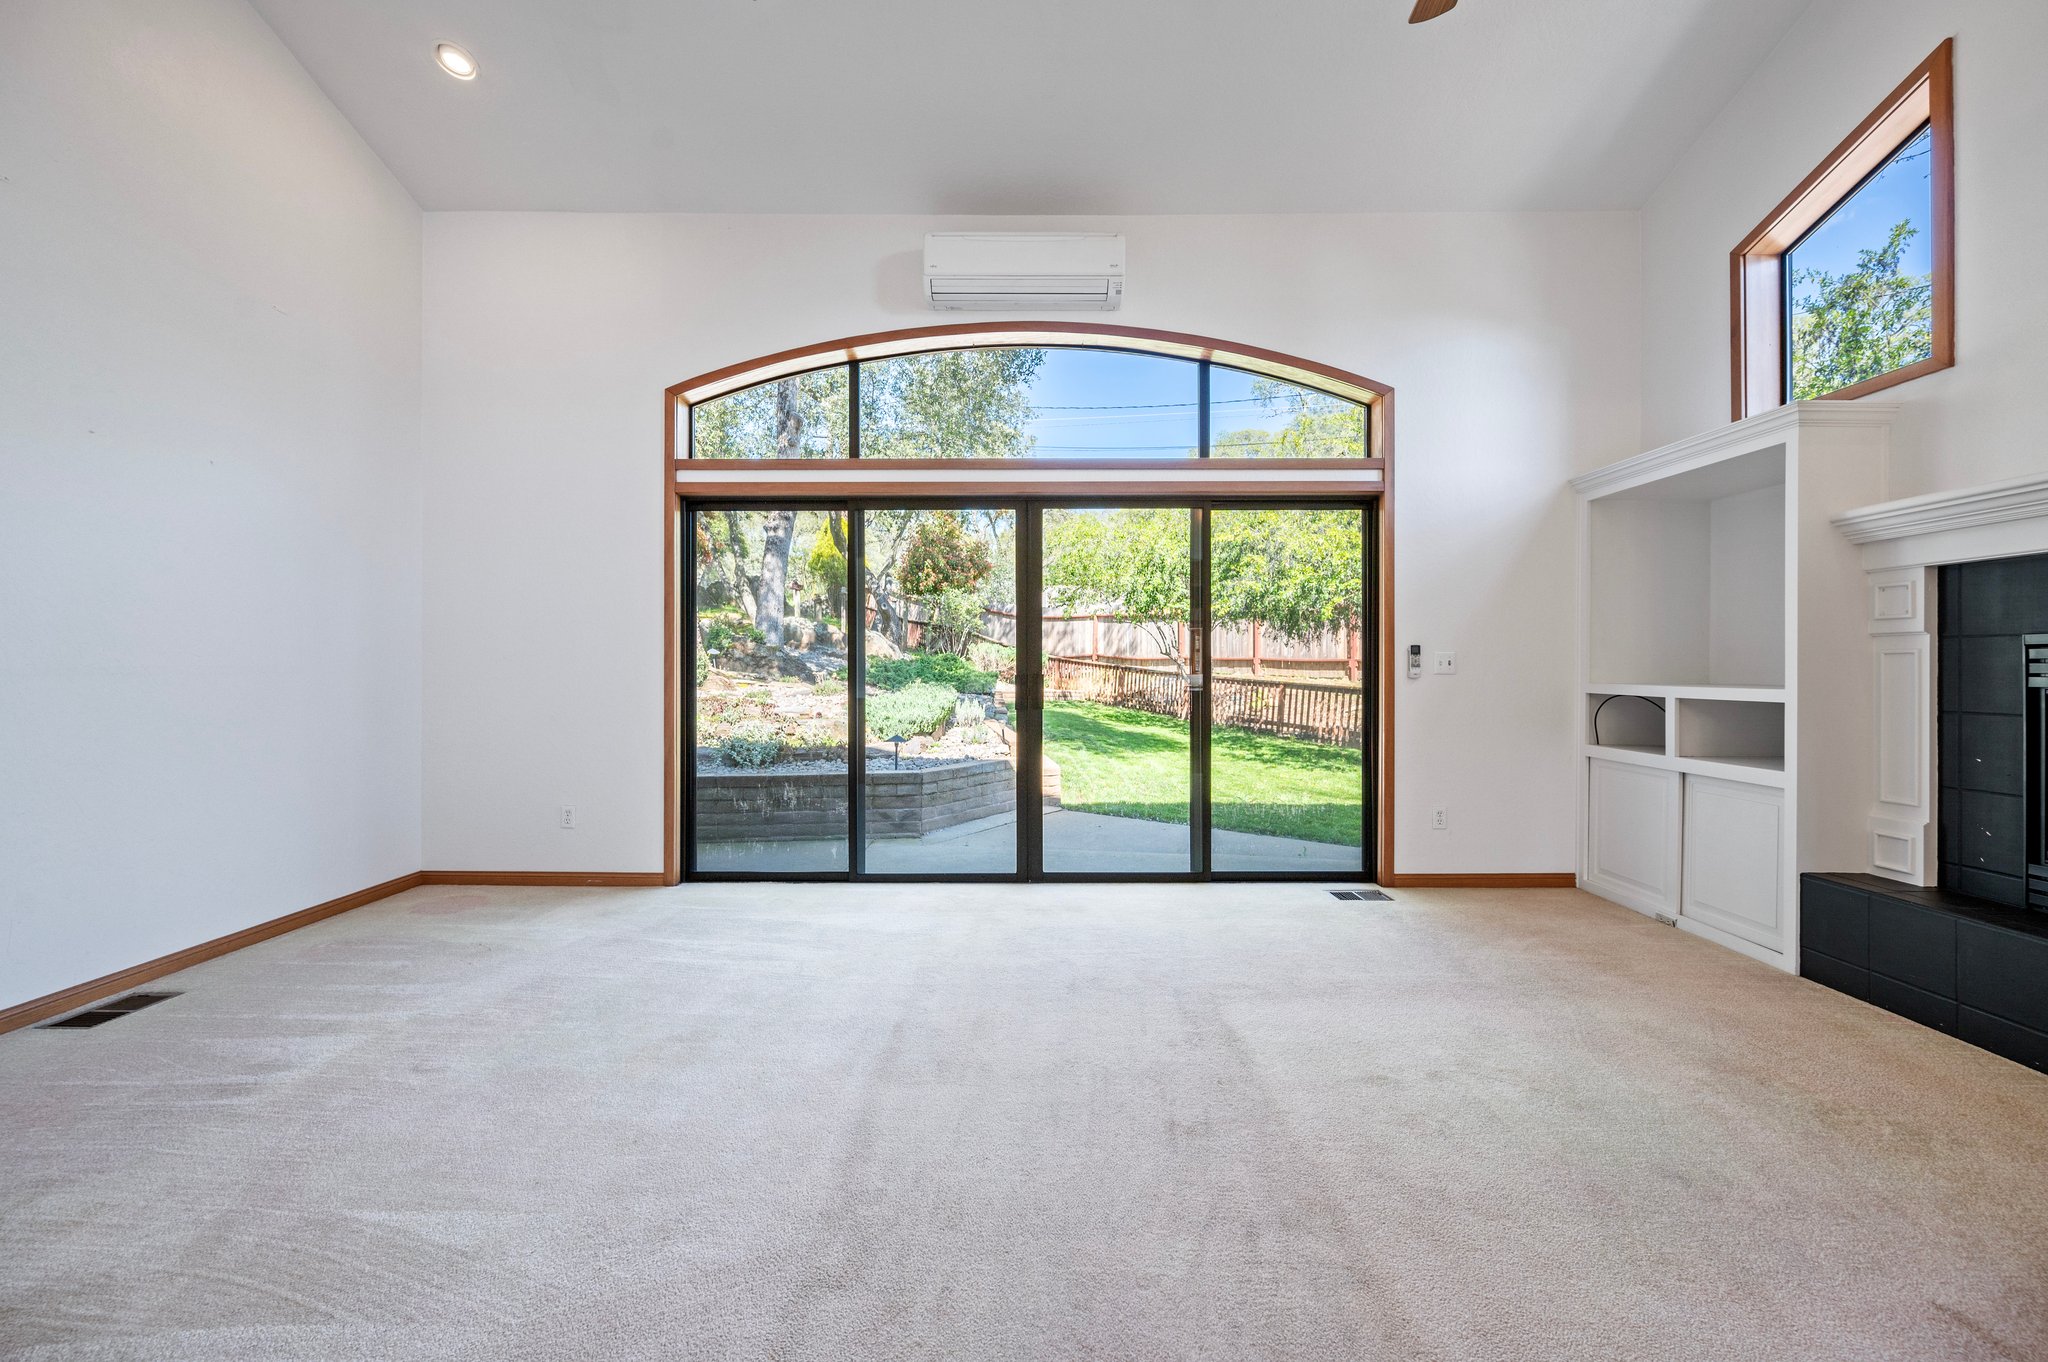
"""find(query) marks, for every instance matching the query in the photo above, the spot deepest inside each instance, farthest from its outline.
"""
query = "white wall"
(1974, 423)
(1512, 342)
(209, 489)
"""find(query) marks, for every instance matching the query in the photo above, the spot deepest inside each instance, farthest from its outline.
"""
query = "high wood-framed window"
(1848, 286)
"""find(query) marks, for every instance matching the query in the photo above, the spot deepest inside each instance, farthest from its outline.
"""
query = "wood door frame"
(1369, 479)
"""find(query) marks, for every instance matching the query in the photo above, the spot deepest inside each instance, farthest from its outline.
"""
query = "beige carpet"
(999, 1122)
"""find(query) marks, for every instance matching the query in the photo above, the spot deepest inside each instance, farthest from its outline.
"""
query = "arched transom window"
(1070, 402)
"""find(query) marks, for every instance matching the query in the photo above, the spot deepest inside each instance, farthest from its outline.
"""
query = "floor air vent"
(1362, 895)
(101, 1013)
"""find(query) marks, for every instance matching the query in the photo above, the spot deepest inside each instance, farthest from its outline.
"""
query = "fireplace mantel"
(1994, 520)
(1903, 543)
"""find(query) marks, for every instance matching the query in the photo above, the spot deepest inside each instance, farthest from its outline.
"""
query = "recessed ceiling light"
(455, 61)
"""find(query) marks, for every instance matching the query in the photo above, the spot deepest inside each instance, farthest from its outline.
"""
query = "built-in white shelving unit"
(1724, 671)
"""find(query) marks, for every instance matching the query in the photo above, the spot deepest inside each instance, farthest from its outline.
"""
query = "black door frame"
(1030, 684)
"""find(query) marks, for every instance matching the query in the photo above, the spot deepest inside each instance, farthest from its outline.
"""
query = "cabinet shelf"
(1696, 560)
(1674, 691)
(1746, 770)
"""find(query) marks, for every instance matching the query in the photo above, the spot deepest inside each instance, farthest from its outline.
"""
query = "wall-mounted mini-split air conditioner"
(1024, 271)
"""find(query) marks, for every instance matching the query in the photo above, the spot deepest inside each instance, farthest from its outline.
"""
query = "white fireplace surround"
(1903, 542)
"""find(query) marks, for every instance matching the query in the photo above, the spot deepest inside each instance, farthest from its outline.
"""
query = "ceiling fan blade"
(1425, 10)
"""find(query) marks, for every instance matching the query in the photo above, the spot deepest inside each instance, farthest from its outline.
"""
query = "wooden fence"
(1113, 638)
(1315, 711)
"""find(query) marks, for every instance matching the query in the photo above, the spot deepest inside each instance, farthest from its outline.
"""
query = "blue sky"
(1899, 191)
(1113, 404)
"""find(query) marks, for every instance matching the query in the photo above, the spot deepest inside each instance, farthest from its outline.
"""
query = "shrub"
(825, 564)
(752, 744)
(720, 636)
(945, 669)
(996, 658)
(950, 619)
(703, 666)
(819, 735)
(920, 707)
(943, 555)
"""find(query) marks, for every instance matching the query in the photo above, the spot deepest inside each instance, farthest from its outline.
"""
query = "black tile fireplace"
(1970, 957)
(1994, 721)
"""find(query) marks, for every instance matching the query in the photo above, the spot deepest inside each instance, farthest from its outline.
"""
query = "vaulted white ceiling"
(1031, 106)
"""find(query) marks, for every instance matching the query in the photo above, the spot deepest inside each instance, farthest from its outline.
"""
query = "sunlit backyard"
(1130, 764)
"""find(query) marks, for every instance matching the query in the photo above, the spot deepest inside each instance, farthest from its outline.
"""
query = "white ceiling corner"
(1066, 106)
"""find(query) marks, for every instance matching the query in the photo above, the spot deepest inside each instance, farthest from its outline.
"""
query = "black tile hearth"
(2002, 973)
(1973, 968)
(1913, 945)
(1835, 921)
(2020, 1044)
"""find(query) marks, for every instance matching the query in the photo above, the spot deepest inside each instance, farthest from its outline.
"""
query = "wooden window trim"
(1757, 265)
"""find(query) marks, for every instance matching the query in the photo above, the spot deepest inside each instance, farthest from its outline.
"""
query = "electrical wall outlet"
(568, 816)
(1446, 664)
(1440, 819)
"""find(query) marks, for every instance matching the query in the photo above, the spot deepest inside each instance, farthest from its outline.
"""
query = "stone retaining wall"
(766, 806)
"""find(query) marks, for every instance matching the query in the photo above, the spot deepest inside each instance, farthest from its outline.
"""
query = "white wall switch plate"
(1446, 663)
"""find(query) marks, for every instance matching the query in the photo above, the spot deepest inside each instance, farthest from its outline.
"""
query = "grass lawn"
(1131, 764)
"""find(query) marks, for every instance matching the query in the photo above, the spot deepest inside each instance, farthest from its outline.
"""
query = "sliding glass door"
(1119, 683)
(771, 715)
(1287, 689)
(937, 682)
(1037, 689)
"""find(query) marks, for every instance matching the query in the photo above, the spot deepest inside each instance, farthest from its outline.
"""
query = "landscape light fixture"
(455, 61)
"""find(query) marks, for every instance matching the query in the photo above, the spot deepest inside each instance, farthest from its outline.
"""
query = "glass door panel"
(939, 692)
(1287, 652)
(770, 789)
(1117, 663)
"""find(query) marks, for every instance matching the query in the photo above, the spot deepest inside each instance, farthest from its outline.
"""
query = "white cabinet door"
(1633, 825)
(1735, 858)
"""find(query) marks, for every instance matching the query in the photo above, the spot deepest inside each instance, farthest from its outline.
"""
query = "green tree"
(1320, 426)
(950, 404)
(944, 565)
(943, 555)
(1299, 573)
(1133, 561)
(803, 416)
(826, 563)
(1850, 327)
(956, 404)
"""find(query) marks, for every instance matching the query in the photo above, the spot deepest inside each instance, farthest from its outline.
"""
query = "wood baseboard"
(68, 999)
(1562, 880)
(622, 878)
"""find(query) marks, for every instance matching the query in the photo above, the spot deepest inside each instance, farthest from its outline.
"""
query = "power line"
(1117, 449)
(1185, 406)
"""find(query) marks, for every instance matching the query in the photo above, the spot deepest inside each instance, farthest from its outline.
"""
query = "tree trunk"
(772, 590)
(771, 593)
